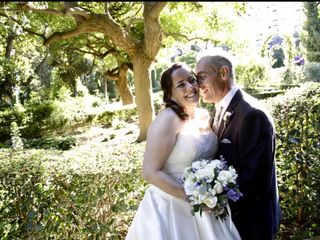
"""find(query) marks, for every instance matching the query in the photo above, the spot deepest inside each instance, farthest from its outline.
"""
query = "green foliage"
(60, 198)
(105, 118)
(280, 52)
(7, 116)
(126, 114)
(20, 55)
(297, 121)
(293, 75)
(17, 143)
(60, 143)
(312, 27)
(189, 58)
(278, 57)
(251, 73)
(39, 115)
(312, 72)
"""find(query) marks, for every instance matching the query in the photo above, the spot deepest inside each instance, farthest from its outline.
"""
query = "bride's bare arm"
(161, 138)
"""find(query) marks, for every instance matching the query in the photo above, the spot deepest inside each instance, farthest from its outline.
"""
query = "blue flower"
(298, 60)
(234, 195)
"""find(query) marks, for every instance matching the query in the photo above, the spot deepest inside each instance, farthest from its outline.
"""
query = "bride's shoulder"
(167, 119)
(166, 115)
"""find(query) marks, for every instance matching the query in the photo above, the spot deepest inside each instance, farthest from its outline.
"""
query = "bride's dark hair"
(166, 86)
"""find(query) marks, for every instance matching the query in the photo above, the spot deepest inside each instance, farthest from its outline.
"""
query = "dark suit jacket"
(251, 151)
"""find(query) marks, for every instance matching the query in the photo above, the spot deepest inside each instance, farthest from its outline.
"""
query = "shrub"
(293, 75)
(312, 72)
(15, 114)
(60, 143)
(297, 121)
(17, 143)
(69, 198)
(38, 121)
(250, 74)
(126, 113)
(105, 118)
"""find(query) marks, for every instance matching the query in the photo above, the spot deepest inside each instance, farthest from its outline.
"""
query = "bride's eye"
(181, 85)
(192, 80)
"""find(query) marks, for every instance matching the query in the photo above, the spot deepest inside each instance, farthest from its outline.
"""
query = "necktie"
(216, 119)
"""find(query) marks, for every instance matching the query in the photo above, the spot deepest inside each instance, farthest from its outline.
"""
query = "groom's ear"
(224, 72)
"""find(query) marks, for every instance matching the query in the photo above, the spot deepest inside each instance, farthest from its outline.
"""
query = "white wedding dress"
(161, 216)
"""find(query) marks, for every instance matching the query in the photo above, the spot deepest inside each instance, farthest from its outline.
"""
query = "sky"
(265, 18)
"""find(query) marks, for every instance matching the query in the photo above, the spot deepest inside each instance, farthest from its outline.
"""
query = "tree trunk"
(143, 93)
(122, 86)
(141, 52)
(7, 85)
(74, 87)
(105, 88)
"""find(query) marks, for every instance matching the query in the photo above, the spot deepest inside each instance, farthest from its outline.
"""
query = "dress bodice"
(162, 215)
(191, 145)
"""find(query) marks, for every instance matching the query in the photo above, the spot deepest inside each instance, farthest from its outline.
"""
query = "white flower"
(199, 164)
(204, 183)
(204, 173)
(233, 173)
(189, 186)
(218, 187)
(198, 198)
(215, 164)
(210, 201)
(227, 116)
(224, 177)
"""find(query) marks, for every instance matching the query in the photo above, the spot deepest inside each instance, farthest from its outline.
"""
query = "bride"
(179, 135)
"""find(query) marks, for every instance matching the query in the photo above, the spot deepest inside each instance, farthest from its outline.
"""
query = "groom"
(247, 141)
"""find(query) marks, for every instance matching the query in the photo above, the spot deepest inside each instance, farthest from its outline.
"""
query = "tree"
(88, 18)
(131, 30)
(16, 62)
(103, 50)
(312, 28)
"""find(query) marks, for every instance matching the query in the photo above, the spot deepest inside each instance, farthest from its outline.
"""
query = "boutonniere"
(226, 117)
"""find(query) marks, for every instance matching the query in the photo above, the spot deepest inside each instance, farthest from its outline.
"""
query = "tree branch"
(88, 22)
(186, 37)
(153, 31)
(112, 74)
(118, 35)
(63, 35)
(95, 53)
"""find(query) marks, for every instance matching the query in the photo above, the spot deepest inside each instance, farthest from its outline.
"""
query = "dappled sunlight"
(66, 69)
(98, 140)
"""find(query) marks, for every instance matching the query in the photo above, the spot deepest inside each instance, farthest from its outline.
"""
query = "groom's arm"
(256, 155)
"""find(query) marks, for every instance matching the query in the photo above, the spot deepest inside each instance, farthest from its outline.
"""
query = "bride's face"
(185, 88)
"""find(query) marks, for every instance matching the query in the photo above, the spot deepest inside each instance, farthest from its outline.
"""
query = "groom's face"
(211, 84)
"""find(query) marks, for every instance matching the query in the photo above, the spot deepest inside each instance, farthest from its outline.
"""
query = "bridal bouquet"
(209, 184)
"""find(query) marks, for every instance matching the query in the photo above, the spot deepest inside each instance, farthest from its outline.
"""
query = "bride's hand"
(207, 209)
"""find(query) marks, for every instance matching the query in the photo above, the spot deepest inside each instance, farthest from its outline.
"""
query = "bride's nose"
(189, 86)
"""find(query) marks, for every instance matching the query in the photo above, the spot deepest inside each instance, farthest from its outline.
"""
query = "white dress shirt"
(225, 101)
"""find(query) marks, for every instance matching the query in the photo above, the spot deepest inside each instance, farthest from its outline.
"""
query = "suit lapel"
(223, 125)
